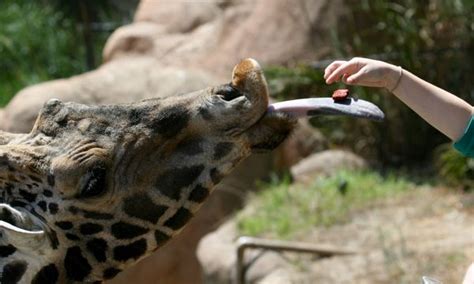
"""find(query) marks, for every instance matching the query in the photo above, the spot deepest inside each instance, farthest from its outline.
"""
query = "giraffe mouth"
(271, 124)
(20, 228)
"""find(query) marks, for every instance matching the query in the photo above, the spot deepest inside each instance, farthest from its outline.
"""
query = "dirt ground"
(429, 232)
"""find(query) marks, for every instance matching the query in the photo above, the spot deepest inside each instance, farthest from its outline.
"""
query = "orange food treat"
(340, 95)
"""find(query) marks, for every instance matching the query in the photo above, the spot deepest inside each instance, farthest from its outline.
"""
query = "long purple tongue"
(327, 106)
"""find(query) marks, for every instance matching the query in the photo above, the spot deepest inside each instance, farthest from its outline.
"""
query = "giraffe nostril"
(228, 92)
(248, 77)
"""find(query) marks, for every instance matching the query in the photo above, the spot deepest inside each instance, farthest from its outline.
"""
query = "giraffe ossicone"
(91, 190)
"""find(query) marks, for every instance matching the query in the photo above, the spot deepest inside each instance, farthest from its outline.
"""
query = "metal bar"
(244, 243)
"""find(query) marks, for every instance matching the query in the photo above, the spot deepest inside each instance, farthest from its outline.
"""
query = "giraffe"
(91, 190)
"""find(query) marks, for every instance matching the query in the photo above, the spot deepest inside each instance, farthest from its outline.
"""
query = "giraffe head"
(93, 189)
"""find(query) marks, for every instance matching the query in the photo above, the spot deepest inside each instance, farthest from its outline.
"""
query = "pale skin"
(443, 110)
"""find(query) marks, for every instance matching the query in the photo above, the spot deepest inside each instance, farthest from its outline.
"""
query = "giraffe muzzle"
(248, 78)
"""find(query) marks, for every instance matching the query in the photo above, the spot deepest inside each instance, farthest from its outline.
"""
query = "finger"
(363, 78)
(356, 78)
(348, 67)
(333, 66)
(344, 77)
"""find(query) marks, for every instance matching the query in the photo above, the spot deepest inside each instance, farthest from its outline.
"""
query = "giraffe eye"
(95, 184)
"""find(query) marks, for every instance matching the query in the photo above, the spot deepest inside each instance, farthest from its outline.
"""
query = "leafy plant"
(40, 42)
(84, 14)
(33, 48)
(282, 210)
(293, 83)
(454, 168)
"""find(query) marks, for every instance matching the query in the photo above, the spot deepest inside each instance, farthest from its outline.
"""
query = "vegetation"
(41, 40)
(434, 39)
(453, 168)
(281, 210)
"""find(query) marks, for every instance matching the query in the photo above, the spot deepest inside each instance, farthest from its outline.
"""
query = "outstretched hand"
(363, 72)
(445, 111)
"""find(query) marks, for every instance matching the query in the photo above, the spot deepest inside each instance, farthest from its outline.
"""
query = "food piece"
(340, 95)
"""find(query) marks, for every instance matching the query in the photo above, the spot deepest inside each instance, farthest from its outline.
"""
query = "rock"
(213, 35)
(304, 141)
(326, 163)
(120, 81)
(217, 253)
(263, 268)
(283, 276)
(178, 16)
(275, 32)
(132, 40)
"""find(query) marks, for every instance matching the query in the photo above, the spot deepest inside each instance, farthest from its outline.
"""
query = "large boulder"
(216, 34)
(217, 252)
(178, 16)
(325, 163)
(120, 81)
(304, 141)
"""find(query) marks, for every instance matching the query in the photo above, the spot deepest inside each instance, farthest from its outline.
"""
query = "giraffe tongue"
(328, 106)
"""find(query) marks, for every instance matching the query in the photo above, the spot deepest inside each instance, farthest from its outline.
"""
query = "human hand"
(363, 72)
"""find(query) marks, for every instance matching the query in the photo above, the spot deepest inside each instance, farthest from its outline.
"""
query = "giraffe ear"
(20, 229)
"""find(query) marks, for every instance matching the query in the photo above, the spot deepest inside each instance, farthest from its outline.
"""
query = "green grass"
(36, 45)
(281, 210)
(453, 168)
(39, 42)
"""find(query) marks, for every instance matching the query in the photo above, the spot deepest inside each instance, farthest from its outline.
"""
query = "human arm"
(443, 110)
